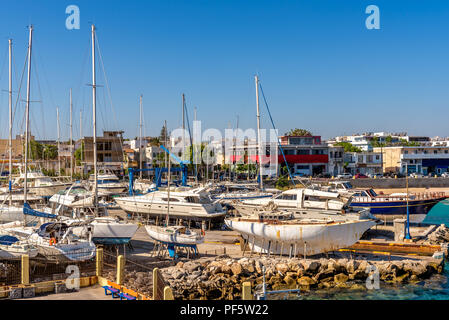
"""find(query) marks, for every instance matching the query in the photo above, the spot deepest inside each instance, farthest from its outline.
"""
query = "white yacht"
(296, 200)
(108, 183)
(39, 184)
(189, 204)
(75, 196)
(56, 241)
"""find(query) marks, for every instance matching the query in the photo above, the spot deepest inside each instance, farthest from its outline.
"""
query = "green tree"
(348, 147)
(79, 154)
(298, 132)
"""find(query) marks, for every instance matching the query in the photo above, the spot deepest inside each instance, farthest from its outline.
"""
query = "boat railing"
(412, 197)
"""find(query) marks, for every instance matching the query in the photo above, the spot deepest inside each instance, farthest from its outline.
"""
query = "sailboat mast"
(59, 158)
(10, 120)
(81, 137)
(183, 126)
(259, 142)
(168, 190)
(140, 138)
(27, 116)
(71, 138)
(94, 118)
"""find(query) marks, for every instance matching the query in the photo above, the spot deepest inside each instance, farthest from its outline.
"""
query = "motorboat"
(390, 206)
(12, 248)
(56, 241)
(174, 235)
(296, 200)
(108, 183)
(193, 204)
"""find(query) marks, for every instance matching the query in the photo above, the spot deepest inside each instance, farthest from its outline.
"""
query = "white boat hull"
(159, 209)
(302, 239)
(156, 234)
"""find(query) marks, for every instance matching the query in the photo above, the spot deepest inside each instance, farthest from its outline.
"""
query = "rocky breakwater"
(222, 277)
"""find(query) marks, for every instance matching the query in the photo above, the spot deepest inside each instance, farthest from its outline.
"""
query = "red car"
(360, 176)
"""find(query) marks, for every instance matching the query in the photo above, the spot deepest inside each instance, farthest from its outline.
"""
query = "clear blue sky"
(320, 68)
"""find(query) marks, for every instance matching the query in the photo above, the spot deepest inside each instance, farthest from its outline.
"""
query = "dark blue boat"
(390, 207)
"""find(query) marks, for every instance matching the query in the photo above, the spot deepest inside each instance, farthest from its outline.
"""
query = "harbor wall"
(391, 183)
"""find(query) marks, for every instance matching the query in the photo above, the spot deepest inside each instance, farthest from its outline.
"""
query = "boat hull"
(299, 239)
(175, 239)
(110, 233)
(177, 211)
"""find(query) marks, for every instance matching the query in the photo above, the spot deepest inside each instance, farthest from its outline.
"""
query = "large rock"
(310, 266)
(236, 268)
(306, 281)
(341, 278)
(282, 268)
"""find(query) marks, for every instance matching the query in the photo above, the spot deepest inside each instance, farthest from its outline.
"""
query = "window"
(435, 151)
(406, 152)
(303, 152)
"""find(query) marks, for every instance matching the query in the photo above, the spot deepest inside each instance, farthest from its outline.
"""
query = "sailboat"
(315, 225)
(8, 212)
(54, 240)
(173, 235)
(105, 230)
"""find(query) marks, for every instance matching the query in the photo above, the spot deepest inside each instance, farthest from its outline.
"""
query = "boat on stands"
(12, 248)
(195, 204)
(38, 184)
(281, 232)
(174, 235)
(235, 191)
(108, 183)
(298, 200)
(390, 206)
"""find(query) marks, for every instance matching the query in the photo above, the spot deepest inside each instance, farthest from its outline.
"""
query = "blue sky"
(320, 68)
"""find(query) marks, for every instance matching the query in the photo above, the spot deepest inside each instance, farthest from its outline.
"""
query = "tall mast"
(94, 117)
(27, 115)
(10, 120)
(168, 190)
(259, 142)
(183, 126)
(81, 137)
(71, 138)
(165, 143)
(59, 158)
(195, 150)
(140, 138)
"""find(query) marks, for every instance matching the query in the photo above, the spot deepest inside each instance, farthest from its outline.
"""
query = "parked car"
(416, 175)
(360, 176)
(323, 175)
(375, 175)
(344, 176)
(445, 175)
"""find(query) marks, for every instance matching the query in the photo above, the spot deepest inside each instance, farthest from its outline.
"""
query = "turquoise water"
(435, 288)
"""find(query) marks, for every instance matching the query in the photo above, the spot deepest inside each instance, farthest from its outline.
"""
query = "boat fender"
(52, 241)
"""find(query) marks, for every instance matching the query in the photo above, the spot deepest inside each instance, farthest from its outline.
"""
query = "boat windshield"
(347, 185)
(372, 192)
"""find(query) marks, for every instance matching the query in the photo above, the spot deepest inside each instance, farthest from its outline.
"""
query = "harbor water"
(435, 288)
